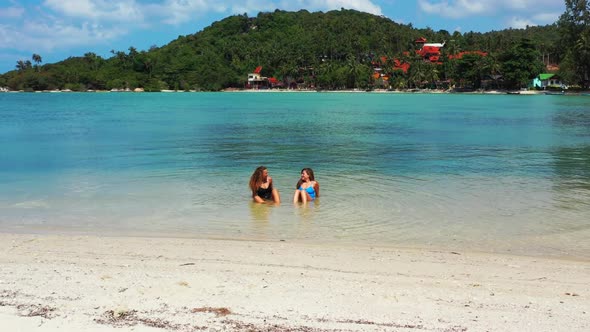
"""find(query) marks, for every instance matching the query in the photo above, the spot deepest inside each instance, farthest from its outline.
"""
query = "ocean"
(493, 173)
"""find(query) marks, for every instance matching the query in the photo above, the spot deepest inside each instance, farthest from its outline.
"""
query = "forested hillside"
(332, 50)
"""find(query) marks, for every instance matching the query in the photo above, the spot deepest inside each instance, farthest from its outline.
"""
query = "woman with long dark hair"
(261, 186)
(308, 189)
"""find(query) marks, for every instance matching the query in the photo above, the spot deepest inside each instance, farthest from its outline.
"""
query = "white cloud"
(519, 23)
(529, 5)
(360, 5)
(181, 11)
(122, 10)
(456, 9)
(11, 12)
(464, 8)
(253, 6)
(366, 6)
(42, 36)
(518, 4)
(546, 18)
(62, 24)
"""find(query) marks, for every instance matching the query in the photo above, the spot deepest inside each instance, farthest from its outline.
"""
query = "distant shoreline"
(376, 91)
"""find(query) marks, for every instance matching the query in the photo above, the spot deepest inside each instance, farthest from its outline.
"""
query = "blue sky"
(57, 29)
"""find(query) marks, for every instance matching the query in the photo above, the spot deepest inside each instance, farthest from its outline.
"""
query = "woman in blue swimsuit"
(308, 189)
(261, 186)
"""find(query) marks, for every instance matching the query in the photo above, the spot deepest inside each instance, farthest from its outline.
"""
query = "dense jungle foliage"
(332, 50)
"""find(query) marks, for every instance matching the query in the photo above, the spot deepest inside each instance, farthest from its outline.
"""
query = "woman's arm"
(316, 187)
(257, 198)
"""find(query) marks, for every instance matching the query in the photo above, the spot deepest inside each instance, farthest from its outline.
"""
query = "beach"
(92, 283)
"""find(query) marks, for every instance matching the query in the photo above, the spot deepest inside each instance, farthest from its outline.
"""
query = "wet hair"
(256, 178)
(309, 172)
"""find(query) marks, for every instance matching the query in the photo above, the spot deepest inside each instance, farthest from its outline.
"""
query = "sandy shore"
(86, 283)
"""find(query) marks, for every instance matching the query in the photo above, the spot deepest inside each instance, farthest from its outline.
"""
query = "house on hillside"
(257, 81)
(544, 81)
(429, 51)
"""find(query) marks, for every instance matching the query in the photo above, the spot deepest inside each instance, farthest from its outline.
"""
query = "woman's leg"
(305, 196)
(275, 196)
(296, 196)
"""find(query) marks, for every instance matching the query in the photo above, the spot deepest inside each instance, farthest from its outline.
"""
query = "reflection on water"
(572, 167)
(260, 212)
(573, 116)
(306, 211)
(572, 181)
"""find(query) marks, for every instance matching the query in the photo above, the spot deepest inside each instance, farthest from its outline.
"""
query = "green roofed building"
(548, 80)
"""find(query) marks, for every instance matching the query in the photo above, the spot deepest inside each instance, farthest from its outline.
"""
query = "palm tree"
(121, 56)
(583, 48)
(431, 73)
(132, 51)
(480, 64)
(37, 59)
(417, 71)
(387, 66)
(148, 65)
(492, 66)
(20, 65)
(289, 72)
(354, 70)
(91, 58)
(132, 55)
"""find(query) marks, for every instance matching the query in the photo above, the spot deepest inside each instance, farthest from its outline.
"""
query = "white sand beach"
(89, 283)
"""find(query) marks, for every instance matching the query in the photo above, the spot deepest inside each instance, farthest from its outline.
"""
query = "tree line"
(332, 50)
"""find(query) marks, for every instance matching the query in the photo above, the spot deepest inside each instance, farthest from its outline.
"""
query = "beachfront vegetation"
(333, 50)
(574, 25)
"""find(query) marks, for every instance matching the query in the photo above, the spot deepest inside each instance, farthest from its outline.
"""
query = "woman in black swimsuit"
(261, 186)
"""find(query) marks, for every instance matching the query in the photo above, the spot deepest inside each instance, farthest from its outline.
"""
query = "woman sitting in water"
(308, 189)
(261, 186)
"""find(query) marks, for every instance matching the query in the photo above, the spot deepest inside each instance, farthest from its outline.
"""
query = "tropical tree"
(521, 63)
(574, 27)
(493, 67)
(121, 57)
(37, 59)
(354, 70)
(93, 60)
(21, 65)
(432, 73)
(417, 73)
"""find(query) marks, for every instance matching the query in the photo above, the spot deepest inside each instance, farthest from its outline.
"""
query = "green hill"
(332, 50)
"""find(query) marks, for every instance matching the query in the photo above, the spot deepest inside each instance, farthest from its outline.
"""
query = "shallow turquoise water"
(498, 173)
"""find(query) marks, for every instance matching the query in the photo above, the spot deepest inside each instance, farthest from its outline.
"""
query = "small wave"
(31, 205)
